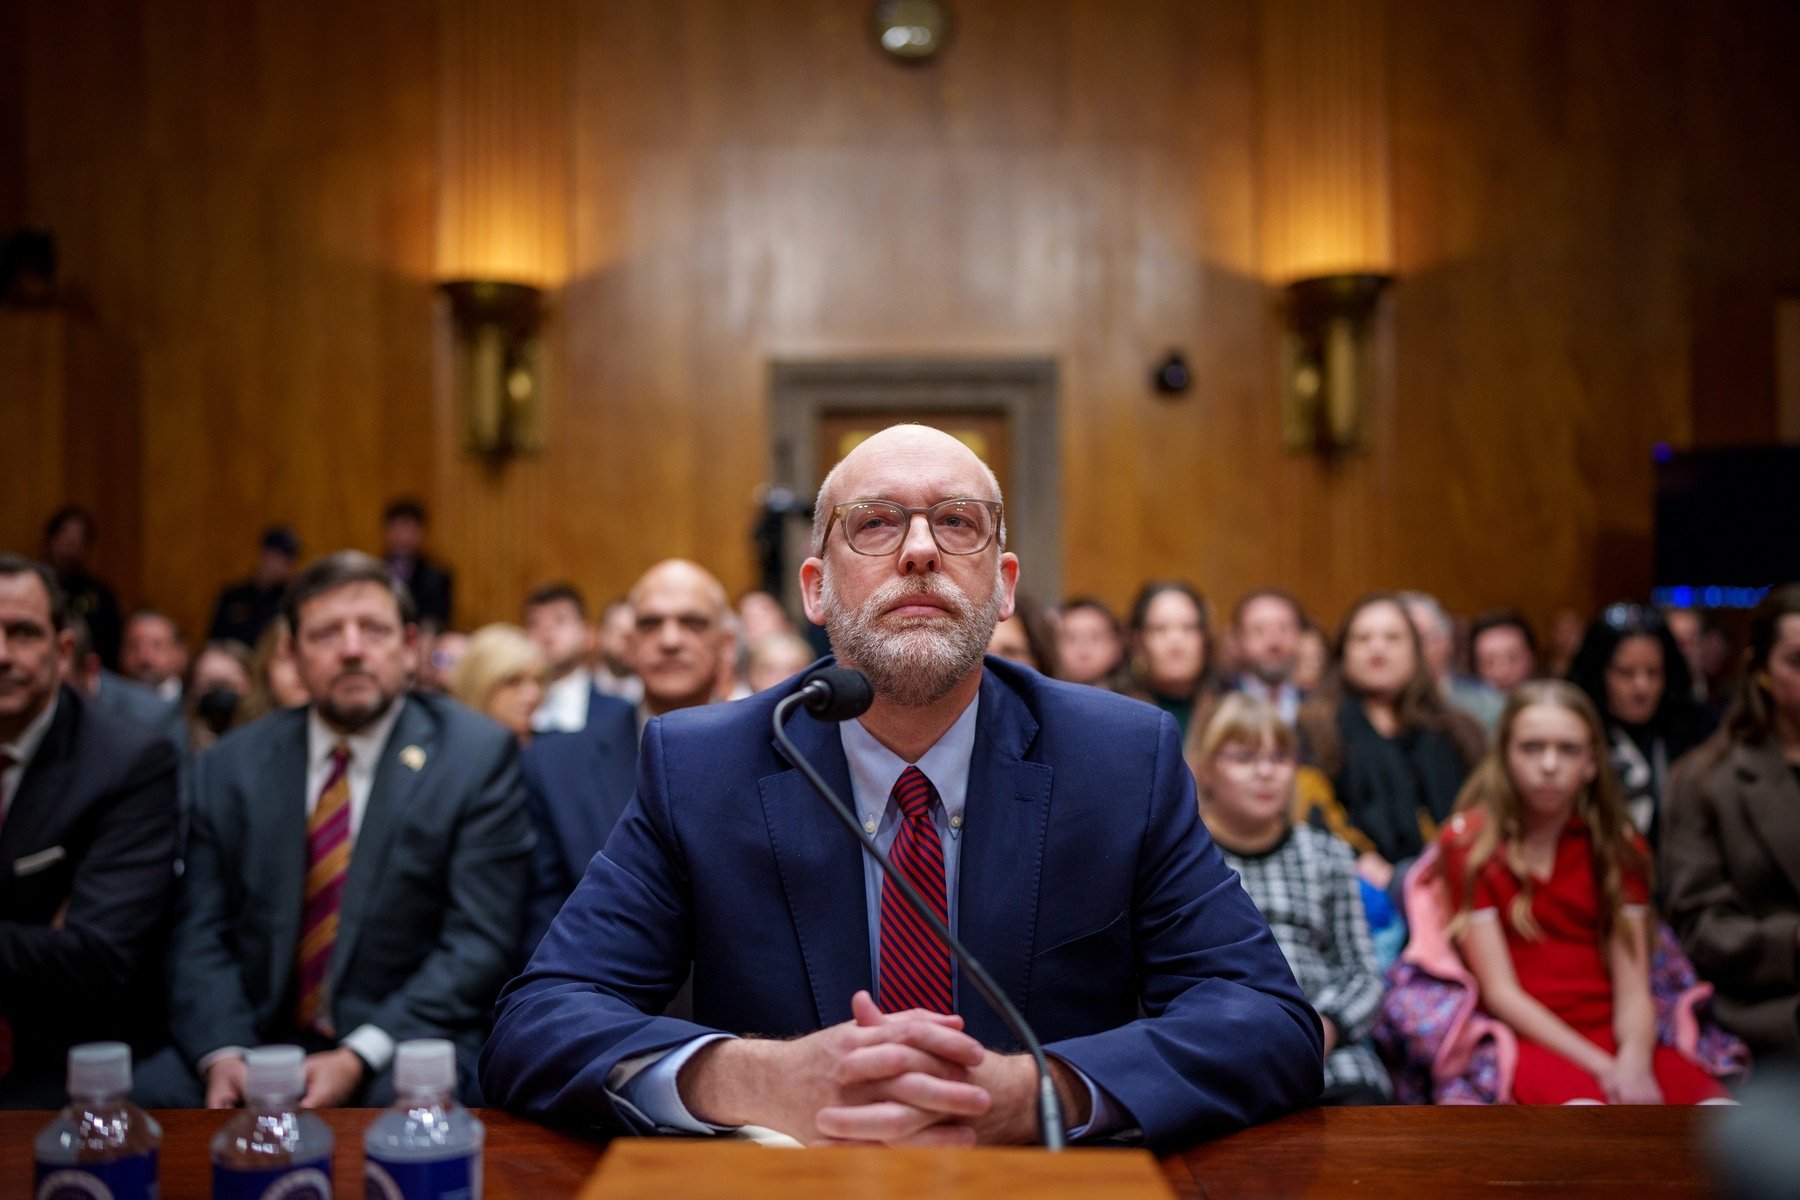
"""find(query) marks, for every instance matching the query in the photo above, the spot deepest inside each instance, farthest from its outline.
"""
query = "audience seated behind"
(431, 584)
(1730, 852)
(154, 653)
(280, 936)
(88, 838)
(1302, 880)
(1172, 651)
(243, 610)
(222, 678)
(1090, 644)
(1730, 888)
(69, 537)
(1266, 626)
(555, 617)
(1503, 649)
(578, 783)
(1395, 752)
(1550, 884)
(274, 676)
(1629, 666)
(502, 677)
(1028, 637)
(1437, 643)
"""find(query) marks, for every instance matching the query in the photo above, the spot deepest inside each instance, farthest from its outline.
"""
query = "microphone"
(837, 694)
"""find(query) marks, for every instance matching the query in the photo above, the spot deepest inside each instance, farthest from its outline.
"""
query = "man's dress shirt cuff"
(1106, 1117)
(219, 1055)
(647, 1084)
(374, 1046)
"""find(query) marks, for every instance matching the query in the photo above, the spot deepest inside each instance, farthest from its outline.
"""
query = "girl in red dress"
(1551, 885)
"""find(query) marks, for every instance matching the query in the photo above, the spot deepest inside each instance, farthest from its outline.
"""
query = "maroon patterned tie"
(915, 964)
(327, 863)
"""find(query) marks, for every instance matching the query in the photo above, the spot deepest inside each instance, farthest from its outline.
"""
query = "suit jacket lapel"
(821, 871)
(1773, 807)
(390, 794)
(29, 820)
(1005, 820)
(276, 839)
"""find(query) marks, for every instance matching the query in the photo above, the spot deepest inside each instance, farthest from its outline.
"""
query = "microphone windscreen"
(837, 693)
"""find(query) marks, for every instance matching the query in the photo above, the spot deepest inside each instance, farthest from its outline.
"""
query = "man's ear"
(1009, 582)
(812, 589)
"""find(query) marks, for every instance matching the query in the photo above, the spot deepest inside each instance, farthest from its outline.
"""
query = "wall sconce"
(499, 366)
(1326, 373)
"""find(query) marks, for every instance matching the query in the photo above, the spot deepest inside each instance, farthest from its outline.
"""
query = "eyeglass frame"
(996, 507)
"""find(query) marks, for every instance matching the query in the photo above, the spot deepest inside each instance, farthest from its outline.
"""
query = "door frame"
(1025, 389)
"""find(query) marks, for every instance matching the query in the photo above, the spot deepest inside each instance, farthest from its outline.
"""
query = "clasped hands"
(907, 1078)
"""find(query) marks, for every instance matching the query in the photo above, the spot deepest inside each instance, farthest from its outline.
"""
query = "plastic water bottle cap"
(275, 1071)
(425, 1065)
(100, 1069)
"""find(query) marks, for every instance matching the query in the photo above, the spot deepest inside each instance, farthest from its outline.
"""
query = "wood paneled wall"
(1592, 211)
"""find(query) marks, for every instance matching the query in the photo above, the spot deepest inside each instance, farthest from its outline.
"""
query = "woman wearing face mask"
(1631, 668)
(1171, 651)
(1730, 854)
(1396, 753)
(219, 682)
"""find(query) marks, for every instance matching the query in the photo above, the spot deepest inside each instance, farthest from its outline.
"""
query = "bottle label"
(299, 1181)
(456, 1178)
(132, 1178)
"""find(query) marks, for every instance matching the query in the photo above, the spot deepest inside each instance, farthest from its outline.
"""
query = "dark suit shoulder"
(120, 749)
(462, 730)
(250, 744)
(1075, 710)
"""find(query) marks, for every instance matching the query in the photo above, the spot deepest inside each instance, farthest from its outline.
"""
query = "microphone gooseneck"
(838, 694)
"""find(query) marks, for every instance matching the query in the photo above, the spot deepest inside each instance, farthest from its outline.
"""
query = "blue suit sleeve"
(615, 955)
(1228, 1038)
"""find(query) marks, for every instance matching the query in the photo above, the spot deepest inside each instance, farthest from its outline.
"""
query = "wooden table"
(1429, 1153)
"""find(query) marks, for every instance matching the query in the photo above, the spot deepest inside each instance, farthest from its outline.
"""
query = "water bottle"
(272, 1149)
(427, 1146)
(102, 1145)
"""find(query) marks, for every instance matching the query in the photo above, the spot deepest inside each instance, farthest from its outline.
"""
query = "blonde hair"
(497, 655)
(1238, 719)
(1491, 790)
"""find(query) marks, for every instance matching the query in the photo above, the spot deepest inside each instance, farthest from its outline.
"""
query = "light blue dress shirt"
(651, 1088)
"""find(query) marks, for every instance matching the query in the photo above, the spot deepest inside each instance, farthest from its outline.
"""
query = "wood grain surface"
(1591, 214)
(1444, 1153)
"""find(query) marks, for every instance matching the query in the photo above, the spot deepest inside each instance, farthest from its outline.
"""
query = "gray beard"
(917, 663)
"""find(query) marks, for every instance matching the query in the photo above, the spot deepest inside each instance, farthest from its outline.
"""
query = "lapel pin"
(413, 757)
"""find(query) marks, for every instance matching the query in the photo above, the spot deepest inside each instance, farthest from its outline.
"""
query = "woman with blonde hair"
(502, 676)
(1303, 881)
(1550, 882)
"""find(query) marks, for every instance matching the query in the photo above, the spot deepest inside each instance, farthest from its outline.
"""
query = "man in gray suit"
(356, 869)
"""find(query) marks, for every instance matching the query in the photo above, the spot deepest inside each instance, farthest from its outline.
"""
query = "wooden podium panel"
(657, 1169)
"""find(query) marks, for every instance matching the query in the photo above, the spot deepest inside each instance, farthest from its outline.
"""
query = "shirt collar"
(365, 745)
(25, 748)
(874, 769)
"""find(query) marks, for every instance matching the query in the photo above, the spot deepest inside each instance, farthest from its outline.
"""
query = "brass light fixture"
(499, 366)
(1326, 368)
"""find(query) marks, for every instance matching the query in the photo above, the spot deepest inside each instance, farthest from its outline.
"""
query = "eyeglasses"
(877, 527)
(1241, 758)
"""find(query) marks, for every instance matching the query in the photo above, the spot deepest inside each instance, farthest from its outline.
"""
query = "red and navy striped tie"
(915, 964)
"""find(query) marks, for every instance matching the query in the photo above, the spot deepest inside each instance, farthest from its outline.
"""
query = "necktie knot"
(913, 794)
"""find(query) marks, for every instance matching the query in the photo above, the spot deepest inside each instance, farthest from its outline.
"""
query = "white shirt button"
(869, 826)
(956, 821)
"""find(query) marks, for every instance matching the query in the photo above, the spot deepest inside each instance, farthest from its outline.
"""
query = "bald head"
(678, 640)
(898, 453)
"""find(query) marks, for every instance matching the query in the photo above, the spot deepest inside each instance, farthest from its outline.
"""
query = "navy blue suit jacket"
(1088, 887)
(577, 785)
